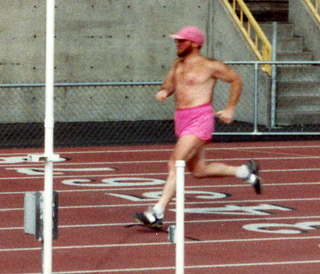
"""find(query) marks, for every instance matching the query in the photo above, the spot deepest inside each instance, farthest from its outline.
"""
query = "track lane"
(225, 245)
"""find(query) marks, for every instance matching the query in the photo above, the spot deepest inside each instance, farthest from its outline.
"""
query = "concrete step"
(298, 88)
(298, 103)
(286, 41)
(297, 73)
(284, 30)
(295, 56)
(269, 10)
(287, 118)
(293, 44)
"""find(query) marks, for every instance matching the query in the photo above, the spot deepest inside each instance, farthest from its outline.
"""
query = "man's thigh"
(187, 148)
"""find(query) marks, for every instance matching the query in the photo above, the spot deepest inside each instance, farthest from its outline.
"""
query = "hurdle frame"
(179, 233)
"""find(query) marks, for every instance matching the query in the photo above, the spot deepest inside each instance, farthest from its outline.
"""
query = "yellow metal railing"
(314, 6)
(251, 31)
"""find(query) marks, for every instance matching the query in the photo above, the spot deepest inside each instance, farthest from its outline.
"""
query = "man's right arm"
(167, 87)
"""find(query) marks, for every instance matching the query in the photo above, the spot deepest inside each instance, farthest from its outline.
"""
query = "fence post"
(274, 74)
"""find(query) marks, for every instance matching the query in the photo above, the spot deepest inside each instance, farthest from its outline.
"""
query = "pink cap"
(190, 33)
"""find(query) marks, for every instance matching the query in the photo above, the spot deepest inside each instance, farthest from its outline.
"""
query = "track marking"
(160, 188)
(255, 264)
(170, 148)
(187, 203)
(68, 163)
(171, 222)
(207, 148)
(149, 174)
(245, 240)
(203, 266)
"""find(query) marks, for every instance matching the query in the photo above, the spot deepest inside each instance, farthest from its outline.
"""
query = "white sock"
(252, 178)
(150, 216)
(242, 172)
(158, 210)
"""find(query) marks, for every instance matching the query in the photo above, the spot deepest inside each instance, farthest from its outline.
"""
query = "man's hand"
(161, 95)
(225, 115)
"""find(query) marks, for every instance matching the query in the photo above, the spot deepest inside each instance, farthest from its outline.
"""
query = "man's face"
(184, 47)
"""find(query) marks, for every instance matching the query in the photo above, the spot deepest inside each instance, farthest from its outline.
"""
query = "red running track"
(229, 229)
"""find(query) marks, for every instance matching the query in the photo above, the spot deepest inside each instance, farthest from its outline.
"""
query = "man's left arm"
(227, 74)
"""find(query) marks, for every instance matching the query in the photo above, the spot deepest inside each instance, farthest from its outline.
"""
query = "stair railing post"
(256, 99)
(274, 74)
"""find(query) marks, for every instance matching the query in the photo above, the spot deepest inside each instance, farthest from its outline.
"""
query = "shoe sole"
(144, 221)
(254, 168)
(257, 186)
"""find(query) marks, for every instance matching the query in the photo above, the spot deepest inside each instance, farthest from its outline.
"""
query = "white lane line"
(148, 174)
(169, 149)
(67, 163)
(92, 175)
(149, 269)
(237, 240)
(187, 203)
(256, 264)
(73, 226)
(113, 188)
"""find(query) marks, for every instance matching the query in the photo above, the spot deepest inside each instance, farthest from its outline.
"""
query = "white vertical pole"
(179, 233)
(274, 74)
(49, 125)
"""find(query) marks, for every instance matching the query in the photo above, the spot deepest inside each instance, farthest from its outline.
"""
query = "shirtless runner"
(192, 79)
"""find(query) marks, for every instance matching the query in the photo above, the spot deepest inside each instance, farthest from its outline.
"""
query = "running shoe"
(149, 219)
(253, 177)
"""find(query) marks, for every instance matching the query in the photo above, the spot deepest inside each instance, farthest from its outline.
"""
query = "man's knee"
(198, 172)
(199, 175)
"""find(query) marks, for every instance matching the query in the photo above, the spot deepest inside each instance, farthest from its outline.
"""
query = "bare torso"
(193, 82)
(192, 79)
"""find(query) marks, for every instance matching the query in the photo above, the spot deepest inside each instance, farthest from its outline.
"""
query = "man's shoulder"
(213, 60)
(213, 63)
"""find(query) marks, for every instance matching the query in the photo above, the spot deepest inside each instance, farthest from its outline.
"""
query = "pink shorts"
(198, 121)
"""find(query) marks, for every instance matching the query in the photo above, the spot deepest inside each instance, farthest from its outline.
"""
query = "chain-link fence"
(285, 103)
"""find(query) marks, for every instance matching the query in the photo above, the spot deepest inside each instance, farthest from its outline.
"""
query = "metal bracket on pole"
(33, 214)
(43, 158)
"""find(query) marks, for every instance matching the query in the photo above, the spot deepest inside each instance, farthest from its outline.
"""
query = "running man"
(192, 79)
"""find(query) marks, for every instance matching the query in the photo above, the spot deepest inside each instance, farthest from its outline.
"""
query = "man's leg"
(191, 149)
(185, 149)
(248, 172)
(201, 169)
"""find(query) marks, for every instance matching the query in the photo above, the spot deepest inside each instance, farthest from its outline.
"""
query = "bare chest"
(191, 76)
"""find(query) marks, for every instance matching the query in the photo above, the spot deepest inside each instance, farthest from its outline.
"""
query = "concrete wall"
(22, 29)
(109, 40)
(96, 40)
(305, 25)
